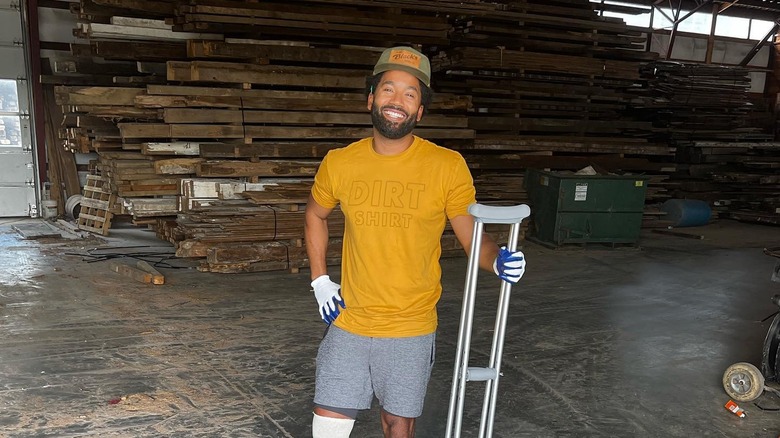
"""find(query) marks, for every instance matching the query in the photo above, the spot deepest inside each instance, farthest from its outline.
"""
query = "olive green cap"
(405, 59)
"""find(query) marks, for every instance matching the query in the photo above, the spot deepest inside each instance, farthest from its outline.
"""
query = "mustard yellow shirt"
(395, 210)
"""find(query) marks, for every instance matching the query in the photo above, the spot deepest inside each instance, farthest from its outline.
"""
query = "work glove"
(328, 298)
(509, 266)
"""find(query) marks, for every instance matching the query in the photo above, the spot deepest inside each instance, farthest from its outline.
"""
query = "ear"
(420, 112)
(370, 101)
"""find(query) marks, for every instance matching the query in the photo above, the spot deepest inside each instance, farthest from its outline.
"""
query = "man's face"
(396, 104)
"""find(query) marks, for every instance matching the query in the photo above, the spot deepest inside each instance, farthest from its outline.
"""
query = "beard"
(388, 128)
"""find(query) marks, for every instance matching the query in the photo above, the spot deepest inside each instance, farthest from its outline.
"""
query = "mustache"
(394, 107)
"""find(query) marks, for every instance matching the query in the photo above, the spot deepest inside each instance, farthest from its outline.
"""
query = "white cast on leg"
(327, 427)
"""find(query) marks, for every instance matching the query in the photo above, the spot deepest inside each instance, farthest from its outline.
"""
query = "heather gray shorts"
(351, 369)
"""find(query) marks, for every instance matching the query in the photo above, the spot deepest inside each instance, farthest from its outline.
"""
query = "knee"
(329, 427)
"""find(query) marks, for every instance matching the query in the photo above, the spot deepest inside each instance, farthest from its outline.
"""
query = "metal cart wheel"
(743, 382)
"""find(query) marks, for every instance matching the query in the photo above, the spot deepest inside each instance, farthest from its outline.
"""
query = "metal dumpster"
(569, 208)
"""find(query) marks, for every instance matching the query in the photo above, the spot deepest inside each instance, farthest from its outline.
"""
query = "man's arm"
(316, 235)
(463, 226)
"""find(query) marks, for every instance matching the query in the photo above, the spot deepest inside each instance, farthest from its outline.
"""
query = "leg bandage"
(327, 427)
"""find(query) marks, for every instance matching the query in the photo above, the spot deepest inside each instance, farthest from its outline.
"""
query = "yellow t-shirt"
(395, 210)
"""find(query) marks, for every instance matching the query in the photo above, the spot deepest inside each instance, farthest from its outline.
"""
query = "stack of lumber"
(739, 179)
(168, 93)
(725, 152)
(698, 102)
(550, 87)
(236, 226)
(245, 98)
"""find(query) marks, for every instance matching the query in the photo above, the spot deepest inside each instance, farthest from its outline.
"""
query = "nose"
(396, 99)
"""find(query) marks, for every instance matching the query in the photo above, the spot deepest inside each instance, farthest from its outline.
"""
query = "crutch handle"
(499, 215)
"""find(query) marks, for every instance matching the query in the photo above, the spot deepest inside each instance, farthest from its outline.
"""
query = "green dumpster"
(569, 208)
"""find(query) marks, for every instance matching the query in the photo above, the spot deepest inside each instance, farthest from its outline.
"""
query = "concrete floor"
(607, 343)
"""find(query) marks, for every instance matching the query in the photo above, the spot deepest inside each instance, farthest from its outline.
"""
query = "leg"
(400, 370)
(343, 384)
(329, 424)
(397, 427)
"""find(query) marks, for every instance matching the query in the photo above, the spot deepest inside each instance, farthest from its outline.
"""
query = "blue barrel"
(686, 212)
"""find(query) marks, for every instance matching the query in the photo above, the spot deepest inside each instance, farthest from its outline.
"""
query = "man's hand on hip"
(328, 298)
(509, 266)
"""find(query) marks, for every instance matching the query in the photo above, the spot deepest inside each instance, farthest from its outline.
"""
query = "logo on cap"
(404, 57)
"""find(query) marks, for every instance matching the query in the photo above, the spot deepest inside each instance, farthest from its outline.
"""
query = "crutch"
(482, 214)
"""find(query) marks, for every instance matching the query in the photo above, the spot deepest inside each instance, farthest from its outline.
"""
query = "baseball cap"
(405, 59)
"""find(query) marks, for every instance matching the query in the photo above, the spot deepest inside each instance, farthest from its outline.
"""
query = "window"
(631, 19)
(734, 27)
(759, 29)
(640, 20)
(699, 22)
(9, 99)
(10, 126)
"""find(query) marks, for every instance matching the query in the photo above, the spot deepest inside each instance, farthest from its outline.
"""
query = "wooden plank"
(99, 30)
(332, 15)
(326, 24)
(146, 6)
(267, 149)
(290, 168)
(184, 90)
(158, 130)
(172, 148)
(106, 96)
(157, 277)
(179, 115)
(148, 23)
(177, 166)
(248, 103)
(38, 230)
(319, 55)
(130, 272)
(139, 50)
(224, 72)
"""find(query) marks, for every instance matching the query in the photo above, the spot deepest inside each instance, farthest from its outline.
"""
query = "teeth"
(394, 114)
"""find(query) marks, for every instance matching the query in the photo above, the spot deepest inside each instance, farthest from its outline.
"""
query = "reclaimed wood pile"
(173, 95)
(740, 180)
(725, 150)
(550, 87)
(698, 102)
(210, 117)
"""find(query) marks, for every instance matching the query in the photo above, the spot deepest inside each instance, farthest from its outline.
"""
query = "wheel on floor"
(743, 382)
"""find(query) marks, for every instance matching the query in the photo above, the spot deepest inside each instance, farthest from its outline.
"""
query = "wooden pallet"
(95, 215)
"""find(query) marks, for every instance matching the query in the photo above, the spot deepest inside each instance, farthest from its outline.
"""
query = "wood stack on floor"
(217, 103)
(724, 156)
(241, 100)
(549, 93)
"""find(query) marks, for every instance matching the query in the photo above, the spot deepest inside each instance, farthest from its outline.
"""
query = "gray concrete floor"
(600, 342)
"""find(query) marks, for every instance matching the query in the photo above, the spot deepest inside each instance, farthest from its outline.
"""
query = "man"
(396, 191)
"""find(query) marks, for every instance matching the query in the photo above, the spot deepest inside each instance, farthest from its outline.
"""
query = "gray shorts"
(351, 369)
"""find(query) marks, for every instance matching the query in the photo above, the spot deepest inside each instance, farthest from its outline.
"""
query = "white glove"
(328, 298)
(509, 266)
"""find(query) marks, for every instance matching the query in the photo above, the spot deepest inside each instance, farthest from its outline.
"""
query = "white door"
(18, 167)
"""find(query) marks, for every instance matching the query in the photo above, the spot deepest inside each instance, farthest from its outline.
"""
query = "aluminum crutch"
(482, 214)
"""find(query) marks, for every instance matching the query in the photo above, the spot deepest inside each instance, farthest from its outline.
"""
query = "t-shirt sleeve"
(323, 190)
(461, 192)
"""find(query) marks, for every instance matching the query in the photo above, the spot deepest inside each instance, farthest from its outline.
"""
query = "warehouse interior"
(157, 157)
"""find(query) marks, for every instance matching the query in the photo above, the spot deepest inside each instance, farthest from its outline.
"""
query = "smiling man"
(397, 192)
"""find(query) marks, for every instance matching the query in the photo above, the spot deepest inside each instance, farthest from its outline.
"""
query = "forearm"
(488, 252)
(316, 235)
